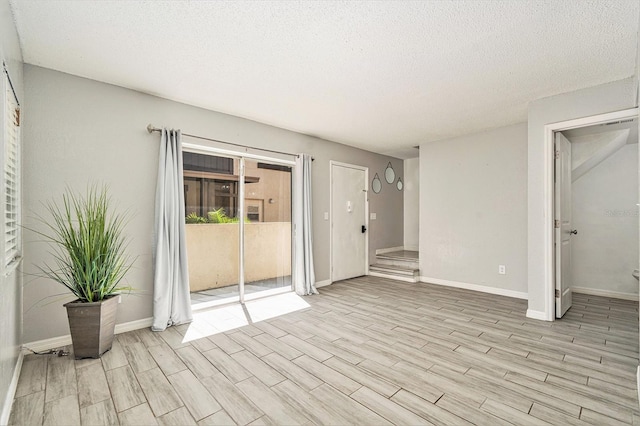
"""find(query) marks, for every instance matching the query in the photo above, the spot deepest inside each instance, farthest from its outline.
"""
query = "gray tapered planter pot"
(92, 326)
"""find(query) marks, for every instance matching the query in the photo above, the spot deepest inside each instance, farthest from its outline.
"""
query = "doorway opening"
(594, 209)
(238, 226)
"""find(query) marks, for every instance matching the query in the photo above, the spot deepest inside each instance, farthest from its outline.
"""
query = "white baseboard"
(11, 392)
(57, 342)
(46, 344)
(538, 315)
(323, 283)
(476, 287)
(605, 293)
(133, 325)
(392, 277)
(389, 250)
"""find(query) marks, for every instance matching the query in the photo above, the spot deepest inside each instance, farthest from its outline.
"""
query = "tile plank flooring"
(366, 351)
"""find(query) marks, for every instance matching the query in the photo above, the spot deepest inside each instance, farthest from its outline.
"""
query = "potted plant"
(90, 260)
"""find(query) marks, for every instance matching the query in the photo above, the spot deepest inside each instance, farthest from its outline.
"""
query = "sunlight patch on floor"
(229, 317)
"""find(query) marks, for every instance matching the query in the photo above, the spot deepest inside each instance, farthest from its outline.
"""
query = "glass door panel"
(211, 190)
(267, 227)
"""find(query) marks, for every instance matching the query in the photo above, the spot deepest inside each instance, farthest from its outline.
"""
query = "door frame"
(366, 213)
(241, 157)
(549, 194)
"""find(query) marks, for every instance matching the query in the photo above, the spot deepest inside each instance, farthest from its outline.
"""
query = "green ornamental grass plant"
(88, 245)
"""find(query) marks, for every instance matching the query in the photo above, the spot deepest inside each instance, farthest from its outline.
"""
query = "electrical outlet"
(373, 216)
(502, 270)
(326, 215)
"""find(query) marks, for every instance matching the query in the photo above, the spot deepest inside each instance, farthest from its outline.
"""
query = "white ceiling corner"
(384, 76)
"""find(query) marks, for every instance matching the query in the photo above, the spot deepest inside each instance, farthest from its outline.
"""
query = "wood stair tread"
(390, 268)
(403, 258)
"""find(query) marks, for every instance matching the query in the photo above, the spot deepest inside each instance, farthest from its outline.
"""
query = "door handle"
(574, 232)
(364, 229)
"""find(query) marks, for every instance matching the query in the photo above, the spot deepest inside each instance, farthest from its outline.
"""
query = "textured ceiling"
(383, 76)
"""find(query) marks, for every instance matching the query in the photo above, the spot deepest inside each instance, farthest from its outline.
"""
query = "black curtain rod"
(6, 71)
(151, 129)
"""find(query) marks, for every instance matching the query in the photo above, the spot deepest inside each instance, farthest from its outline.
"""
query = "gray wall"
(78, 130)
(473, 214)
(604, 211)
(608, 97)
(11, 285)
(411, 203)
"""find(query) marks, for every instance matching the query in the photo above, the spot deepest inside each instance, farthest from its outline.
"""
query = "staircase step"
(391, 256)
(400, 265)
(394, 273)
(399, 262)
(402, 258)
(393, 269)
(400, 254)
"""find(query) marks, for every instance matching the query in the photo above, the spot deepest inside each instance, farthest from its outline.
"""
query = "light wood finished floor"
(366, 351)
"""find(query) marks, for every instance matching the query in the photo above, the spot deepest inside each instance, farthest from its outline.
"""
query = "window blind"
(11, 178)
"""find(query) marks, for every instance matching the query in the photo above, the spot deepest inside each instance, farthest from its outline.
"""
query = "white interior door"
(563, 230)
(348, 221)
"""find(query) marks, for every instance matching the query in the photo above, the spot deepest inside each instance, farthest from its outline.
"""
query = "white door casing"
(563, 230)
(349, 211)
(548, 261)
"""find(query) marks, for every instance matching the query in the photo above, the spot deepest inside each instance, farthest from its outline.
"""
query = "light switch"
(372, 216)
(326, 215)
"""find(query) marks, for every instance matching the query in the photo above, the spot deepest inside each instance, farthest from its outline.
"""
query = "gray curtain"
(304, 278)
(171, 299)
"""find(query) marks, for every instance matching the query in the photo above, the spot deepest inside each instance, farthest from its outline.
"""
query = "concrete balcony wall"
(212, 251)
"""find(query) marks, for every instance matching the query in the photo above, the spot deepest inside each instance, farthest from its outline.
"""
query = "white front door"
(562, 225)
(348, 221)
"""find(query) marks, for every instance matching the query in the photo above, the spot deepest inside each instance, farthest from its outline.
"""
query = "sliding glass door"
(238, 214)
(211, 209)
(267, 229)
